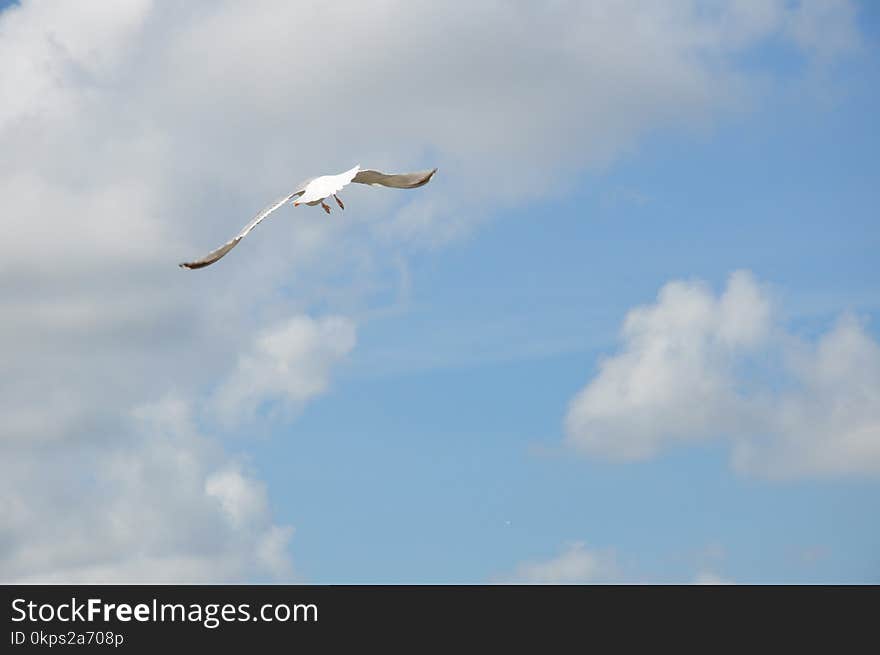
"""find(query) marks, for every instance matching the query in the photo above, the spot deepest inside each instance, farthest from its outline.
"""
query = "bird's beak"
(296, 204)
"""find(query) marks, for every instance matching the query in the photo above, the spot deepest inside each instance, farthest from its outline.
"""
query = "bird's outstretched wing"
(214, 255)
(322, 188)
(398, 181)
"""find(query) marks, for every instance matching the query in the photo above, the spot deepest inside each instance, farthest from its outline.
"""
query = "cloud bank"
(157, 503)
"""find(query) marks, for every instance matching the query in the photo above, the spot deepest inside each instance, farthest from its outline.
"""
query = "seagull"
(314, 192)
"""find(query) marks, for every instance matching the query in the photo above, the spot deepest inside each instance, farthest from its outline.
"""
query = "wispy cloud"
(576, 564)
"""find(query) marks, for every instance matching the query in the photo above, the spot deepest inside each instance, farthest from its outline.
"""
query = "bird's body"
(314, 192)
(317, 190)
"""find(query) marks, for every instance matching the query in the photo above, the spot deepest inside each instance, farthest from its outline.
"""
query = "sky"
(629, 333)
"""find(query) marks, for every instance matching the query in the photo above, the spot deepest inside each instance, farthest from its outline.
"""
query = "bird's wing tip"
(429, 176)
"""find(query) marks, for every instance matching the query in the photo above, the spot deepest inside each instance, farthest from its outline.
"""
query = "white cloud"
(672, 382)
(54, 52)
(139, 133)
(289, 362)
(159, 504)
(576, 564)
(240, 498)
(695, 367)
(829, 423)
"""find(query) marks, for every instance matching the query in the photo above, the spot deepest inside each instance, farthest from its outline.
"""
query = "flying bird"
(316, 191)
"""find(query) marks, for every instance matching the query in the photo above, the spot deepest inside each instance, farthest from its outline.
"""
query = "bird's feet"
(325, 206)
(339, 202)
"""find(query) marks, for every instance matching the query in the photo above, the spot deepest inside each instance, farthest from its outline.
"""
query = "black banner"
(150, 618)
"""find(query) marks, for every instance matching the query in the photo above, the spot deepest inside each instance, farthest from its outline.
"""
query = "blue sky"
(438, 446)
(443, 411)
(432, 437)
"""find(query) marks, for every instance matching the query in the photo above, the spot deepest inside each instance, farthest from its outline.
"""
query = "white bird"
(316, 191)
